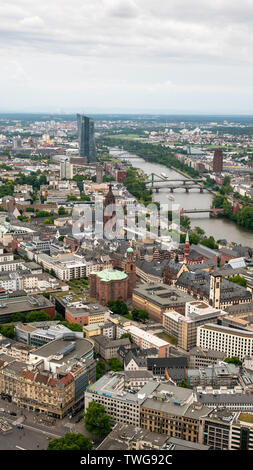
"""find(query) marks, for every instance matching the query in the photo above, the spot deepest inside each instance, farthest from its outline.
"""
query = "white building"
(65, 267)
(233, 342)
(66, 169)
(146, 340)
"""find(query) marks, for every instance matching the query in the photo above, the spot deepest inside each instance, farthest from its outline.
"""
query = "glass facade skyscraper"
(86, 138)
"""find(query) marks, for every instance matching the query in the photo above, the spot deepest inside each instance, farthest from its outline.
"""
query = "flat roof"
(23, 304)
(82, 347)
(158, 342)
(107, 384)
(162, 295)
(226, 329)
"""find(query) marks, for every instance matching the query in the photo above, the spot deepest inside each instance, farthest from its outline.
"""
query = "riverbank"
(219, 228)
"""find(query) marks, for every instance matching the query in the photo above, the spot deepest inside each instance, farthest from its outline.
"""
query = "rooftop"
(162, 295)
(107, 275)
(60, 349)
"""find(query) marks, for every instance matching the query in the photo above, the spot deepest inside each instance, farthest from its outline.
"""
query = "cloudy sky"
(126, 56)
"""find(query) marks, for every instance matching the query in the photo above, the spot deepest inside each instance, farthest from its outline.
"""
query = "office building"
(215, 375)
(129, 437)
(226, 430)
(158, 298)
(172, 411)
(121, 404)
(184, 327)
(146, 340)
(218, 161)
(231, 341)
(86, 138)
(99, 174)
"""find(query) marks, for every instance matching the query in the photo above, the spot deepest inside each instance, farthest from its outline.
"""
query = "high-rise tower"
(218, 161)
(86, 138)
(66, 169)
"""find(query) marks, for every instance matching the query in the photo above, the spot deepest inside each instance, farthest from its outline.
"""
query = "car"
(20, 426)
(12, 413)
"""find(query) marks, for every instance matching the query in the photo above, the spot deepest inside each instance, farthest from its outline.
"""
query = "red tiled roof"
(41, 378)
(67, 379)
(28, 375)
(52, 382)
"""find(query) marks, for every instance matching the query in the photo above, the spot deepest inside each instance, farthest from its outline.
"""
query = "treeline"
(153, 153)
(243, 217)
(135, 184)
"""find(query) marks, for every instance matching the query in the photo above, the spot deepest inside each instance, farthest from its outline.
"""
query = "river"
(220, 228)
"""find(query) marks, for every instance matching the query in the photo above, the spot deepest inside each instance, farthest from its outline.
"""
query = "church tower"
(186, 247)
(215, 289)
(130, 270)
(110, 212)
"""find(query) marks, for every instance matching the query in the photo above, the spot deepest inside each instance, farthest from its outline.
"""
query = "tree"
(194, 238)
(210, 243)
(127, 335)
(58, 316)
(199, 230)
(218, 201)
(237, 279)
(233, 360)
(245, 217)
(115, 364)
(118, 306)
(72, 326)
(96, 420)
(15, 317)
(71, 441)
(7, 331)
(185, 221)
(61, 211)
(183, 383)
(100, 369)
(37, 315)
(140, 315)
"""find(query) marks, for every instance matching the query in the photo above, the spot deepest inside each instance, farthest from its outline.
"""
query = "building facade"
(86, 138)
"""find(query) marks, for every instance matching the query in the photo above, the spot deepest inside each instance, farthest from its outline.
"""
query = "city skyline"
(168, 58)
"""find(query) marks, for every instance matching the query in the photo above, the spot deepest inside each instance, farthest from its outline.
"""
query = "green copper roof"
(130, 250)
(187, 237)
(108, 275)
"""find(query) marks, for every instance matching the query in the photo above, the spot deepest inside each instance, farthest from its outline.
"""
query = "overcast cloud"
(126, 56)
